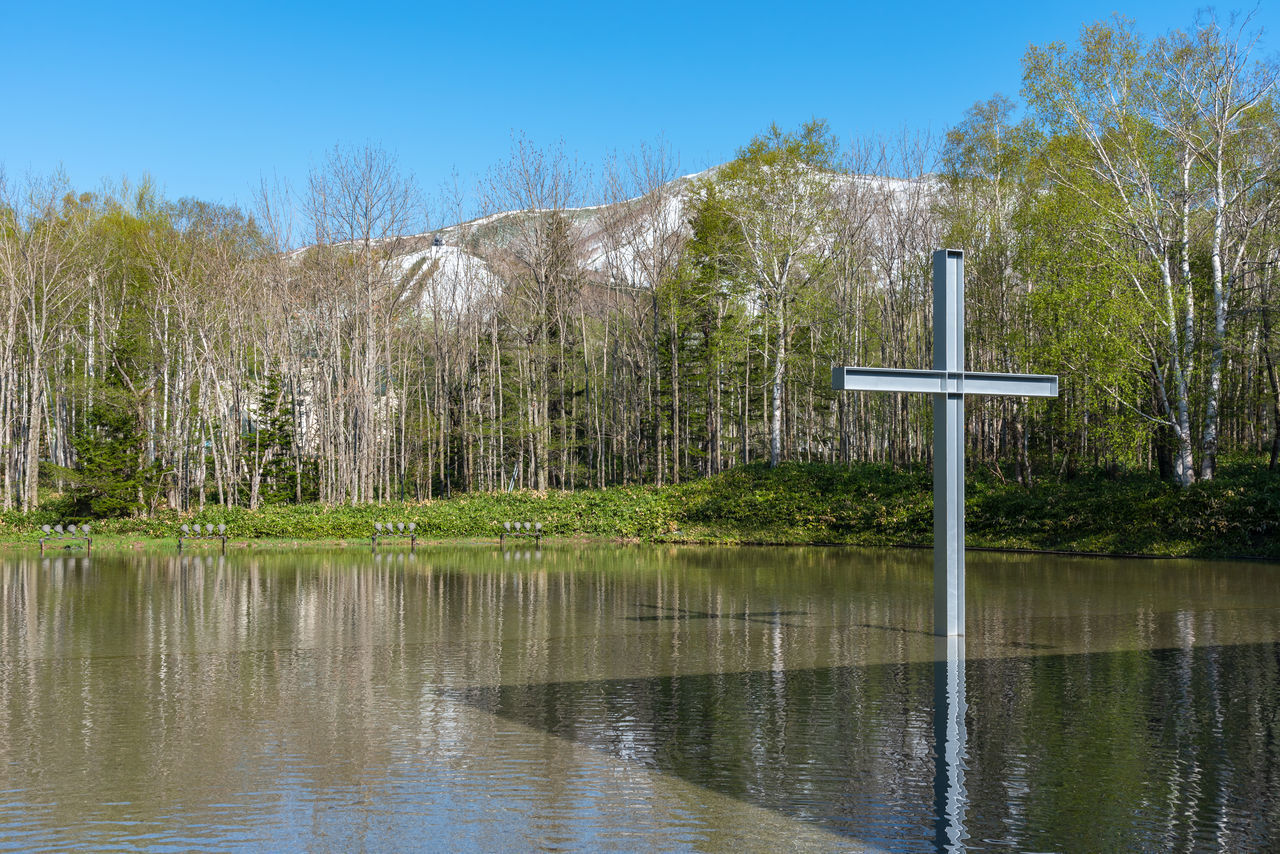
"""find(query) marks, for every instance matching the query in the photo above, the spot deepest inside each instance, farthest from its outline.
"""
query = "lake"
(601, 697)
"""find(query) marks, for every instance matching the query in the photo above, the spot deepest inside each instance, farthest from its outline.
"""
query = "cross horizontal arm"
(943, 382)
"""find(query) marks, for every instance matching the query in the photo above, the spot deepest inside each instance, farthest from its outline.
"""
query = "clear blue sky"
(207, 98)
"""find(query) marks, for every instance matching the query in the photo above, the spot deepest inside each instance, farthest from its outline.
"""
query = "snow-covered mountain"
(462, 262)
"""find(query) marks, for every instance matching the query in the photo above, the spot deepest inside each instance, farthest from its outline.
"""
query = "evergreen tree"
(107, 480)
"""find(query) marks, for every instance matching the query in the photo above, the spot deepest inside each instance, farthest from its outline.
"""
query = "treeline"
(629, 326)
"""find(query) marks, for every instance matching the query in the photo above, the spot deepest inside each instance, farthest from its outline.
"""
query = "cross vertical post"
(948, 444)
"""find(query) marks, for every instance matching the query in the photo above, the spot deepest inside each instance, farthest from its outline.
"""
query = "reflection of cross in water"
(906, 631)
(950, 745)
(686, 614)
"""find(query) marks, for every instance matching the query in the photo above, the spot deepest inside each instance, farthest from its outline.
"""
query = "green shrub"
(1237, 514)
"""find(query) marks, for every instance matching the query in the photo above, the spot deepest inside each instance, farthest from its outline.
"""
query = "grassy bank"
(1238, 514)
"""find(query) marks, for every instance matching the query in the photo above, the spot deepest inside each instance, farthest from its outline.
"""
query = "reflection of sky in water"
(603, 697)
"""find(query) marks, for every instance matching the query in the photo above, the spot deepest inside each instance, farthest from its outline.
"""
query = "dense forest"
(627, 325)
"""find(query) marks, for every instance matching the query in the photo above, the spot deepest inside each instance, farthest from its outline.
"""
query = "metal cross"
(948, 382)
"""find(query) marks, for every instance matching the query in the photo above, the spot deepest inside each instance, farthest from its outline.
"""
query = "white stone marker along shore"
(948, 382)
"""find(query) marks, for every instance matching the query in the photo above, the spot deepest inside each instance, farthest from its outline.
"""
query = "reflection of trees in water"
(780, 678)
(1171, 749)
(181, 656)
(847, 746)
(1105, 751)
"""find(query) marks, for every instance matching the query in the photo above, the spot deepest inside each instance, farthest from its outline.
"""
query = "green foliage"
(273, 439)
(1094, 322)
(107, 480)
(813, 145)
(796, 502)
(1236, 514)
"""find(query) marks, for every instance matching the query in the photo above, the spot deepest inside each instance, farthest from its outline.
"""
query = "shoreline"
(1234, 517)
(117, 543)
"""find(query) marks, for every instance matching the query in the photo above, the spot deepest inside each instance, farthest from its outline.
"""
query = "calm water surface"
(634, 698)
